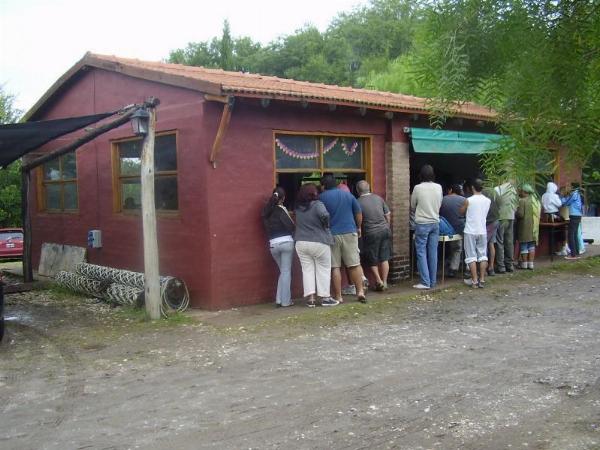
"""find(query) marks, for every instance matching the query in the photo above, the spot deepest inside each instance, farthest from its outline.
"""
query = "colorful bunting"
(293, 153)
(349, 151)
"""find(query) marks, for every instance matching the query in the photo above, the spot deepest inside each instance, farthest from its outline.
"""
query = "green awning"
(445, 142)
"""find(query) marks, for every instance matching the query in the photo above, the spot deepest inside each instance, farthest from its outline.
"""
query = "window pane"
(131, 194)
(69, 166)
(165, 192)
(165, 153)
(343, 153)
(52, 170)
(53, 196)
(130, 157)
(70, 195)
(296, 152)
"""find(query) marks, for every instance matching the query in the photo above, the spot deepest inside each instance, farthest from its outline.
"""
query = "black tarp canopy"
(18, 139)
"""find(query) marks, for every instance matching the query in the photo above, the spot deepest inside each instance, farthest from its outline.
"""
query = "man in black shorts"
(376, 235)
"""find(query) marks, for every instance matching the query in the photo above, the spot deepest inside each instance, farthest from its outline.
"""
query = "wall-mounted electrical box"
(95, 239)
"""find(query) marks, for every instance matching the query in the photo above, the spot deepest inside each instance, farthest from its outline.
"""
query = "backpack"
(445, 228)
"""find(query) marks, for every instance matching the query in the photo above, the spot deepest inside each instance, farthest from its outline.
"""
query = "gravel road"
(515, 365)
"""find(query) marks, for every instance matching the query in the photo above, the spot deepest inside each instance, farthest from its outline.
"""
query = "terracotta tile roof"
(220, 82)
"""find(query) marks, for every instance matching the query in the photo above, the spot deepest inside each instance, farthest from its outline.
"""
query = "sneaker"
(510, 270)
(572, 257)
(379, 287)
(470, 282)
(329, 302)
(311, 303)
(349, 290)
(480, 284)
(491, 273)
(530, 265)
(420, 286)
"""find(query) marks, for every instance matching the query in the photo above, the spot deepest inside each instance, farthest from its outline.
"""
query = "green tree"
(377, 33)
(10, 177)
(535, 61)
(226, 49)
(226, 53)
(354, 45)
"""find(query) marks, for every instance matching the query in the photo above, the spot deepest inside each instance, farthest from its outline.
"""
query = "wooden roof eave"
(89, 60)
(353, 104)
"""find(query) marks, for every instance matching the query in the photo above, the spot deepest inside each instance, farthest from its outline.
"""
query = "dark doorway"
(448, 168)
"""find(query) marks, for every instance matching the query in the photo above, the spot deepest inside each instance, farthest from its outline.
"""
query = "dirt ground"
(515, 365)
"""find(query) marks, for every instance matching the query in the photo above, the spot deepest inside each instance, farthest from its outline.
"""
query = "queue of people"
(326, 231)
(332, 229)
(485, 217)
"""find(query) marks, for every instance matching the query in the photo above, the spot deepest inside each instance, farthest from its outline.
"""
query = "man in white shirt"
(425, 201)
(476, 208)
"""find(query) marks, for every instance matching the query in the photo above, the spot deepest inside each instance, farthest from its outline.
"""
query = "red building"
(209, 193)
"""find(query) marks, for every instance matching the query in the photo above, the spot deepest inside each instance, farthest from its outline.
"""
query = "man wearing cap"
(505, 244)
(528, 225)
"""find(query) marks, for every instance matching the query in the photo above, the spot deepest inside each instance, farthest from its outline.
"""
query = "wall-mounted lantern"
(139, 122)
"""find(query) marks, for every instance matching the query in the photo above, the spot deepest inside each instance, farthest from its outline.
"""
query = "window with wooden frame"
(127, 165)
(303, 158)
(57, 186)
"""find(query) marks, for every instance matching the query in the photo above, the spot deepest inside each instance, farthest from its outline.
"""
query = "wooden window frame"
(117, 177)
(366, 157)
(42, 183)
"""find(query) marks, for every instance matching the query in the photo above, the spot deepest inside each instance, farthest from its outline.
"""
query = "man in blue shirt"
(345, 217)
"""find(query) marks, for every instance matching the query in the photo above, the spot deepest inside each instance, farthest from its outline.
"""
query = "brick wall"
(397, 176)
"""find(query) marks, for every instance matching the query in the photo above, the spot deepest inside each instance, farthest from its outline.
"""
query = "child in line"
(528, 225)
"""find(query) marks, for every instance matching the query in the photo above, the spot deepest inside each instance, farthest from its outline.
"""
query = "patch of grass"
(140, 315)
(61, 293)
(312, 318)
(130, 313)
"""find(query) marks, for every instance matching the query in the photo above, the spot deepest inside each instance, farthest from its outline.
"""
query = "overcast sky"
(42, 39)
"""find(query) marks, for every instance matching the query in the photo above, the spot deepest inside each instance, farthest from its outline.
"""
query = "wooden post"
(151, 271)
(26, 219)
(225, 118)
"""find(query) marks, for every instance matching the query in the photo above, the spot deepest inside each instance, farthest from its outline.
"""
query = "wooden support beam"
(26, 219)
(151, 270)
(223, 125)
(81, 141)
(216, 98)
(29, 164)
